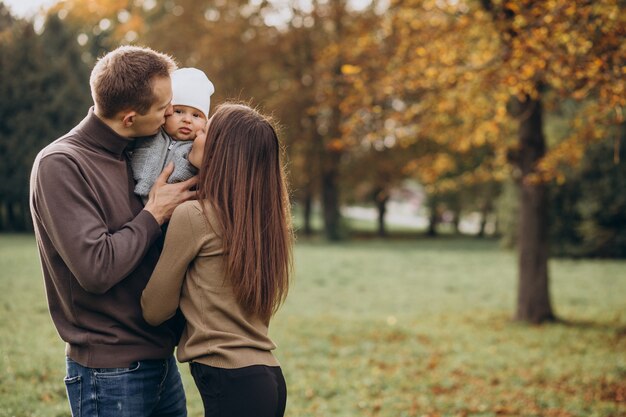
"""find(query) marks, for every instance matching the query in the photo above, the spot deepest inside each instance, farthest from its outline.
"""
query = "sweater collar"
(100, 135)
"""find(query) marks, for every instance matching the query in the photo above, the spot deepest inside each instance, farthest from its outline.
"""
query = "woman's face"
(197, 149)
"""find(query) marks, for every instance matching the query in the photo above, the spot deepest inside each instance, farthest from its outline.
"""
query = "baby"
(191, 99)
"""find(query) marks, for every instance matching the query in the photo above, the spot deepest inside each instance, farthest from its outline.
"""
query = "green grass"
(384, 328)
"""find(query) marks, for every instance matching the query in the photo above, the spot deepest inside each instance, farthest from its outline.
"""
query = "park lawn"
(384, 328)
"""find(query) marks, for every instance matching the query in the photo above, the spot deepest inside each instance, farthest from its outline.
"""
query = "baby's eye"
(178, 111)
(196, 115)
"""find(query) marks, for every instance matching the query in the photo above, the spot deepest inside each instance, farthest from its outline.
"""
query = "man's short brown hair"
(123, 79)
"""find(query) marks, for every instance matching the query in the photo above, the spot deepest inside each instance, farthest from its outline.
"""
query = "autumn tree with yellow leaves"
(474, 74)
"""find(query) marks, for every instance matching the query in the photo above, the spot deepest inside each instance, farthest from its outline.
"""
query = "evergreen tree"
(44, 92)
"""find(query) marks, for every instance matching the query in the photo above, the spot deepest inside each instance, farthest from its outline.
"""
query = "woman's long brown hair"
(242, 179)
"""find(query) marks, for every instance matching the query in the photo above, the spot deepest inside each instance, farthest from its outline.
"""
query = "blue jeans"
(150, 388)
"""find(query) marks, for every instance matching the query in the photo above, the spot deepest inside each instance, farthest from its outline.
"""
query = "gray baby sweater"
(152, 154)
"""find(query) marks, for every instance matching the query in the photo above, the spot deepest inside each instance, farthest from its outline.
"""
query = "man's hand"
(164, 197)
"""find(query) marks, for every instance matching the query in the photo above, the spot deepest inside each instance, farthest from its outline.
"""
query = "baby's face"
(184, 123)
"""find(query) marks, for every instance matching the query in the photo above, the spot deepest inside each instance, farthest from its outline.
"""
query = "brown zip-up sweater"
(96, 245)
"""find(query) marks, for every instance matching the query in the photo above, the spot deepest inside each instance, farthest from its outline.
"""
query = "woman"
(226, 262)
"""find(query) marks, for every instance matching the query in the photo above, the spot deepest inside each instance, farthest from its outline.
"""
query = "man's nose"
(169, 111)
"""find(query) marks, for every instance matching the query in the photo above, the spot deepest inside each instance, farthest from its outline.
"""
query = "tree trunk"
(313, 152)
(483, 223)
(456, 222)
(434, 218)
(533, 296)
(455, 207)
(332, 154)
(308, 211)
(381, 206)
(533, 300)
(330, 196)
(330, 161)
(496, 225)
(28, 221)
(21, 217)
(486, 209)
(11, 216)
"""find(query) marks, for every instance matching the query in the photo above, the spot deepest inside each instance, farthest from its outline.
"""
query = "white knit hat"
(191, 87)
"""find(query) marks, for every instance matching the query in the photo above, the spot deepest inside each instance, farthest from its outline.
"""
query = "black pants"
(253, 391)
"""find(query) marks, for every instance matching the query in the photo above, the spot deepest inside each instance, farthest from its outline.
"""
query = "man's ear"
(128, 119)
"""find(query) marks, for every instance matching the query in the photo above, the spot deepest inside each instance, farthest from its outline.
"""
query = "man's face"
(149, 123)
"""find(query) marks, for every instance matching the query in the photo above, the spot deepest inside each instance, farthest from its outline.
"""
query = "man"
(97, 243)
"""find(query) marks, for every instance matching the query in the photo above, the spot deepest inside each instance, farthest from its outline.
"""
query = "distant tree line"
(344, 135)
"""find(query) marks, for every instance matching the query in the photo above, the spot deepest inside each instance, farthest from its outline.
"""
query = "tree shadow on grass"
(618, 328)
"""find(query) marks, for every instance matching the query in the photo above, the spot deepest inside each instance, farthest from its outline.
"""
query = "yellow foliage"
(348, 69)
(455, 66)
(420, 51)
(335, 145)
(444, 163)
